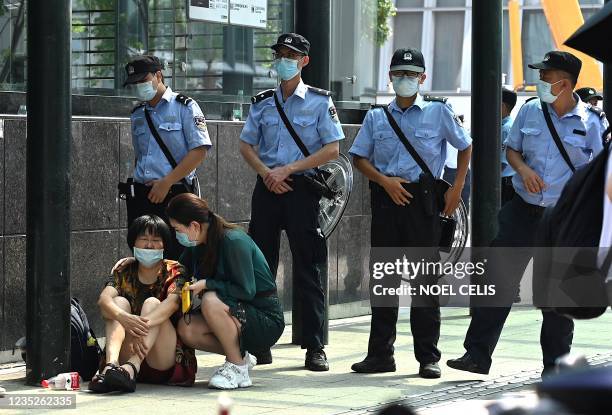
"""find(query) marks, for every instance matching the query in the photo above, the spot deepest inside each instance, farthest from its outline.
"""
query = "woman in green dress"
(240, 308)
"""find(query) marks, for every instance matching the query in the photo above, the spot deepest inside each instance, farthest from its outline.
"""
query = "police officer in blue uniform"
(282, 198)
(399, 214)
(589, 95)
(508, 102)
(182, 128)
(541, 173)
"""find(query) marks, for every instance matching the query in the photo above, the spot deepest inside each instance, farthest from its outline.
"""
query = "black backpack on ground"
(85, 352)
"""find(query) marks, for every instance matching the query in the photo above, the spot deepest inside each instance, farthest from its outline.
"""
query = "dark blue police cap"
(408, 59)
(563, 61)
(138, 68)
(293, 41)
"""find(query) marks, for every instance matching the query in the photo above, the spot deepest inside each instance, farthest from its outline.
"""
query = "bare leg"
(160, 343)
(198, 334)
(224, 326)
(115, 333)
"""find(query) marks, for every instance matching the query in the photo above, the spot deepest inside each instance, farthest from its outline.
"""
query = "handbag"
(432, 188)
(586, 286)
(317, 183)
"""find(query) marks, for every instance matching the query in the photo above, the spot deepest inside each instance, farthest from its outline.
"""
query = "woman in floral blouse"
(138, 304)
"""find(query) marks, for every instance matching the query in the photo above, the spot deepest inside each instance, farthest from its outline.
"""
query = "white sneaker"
(230, 376)
(250, 360)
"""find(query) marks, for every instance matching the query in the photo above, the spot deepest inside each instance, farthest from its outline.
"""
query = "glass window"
(450, 3)
(202, 58)
(12, 45)
(410, 3)
(591, 2)
(448, 49)
(408, 30)
(354, 60)
(536, 41)
(588, 12)
(506, 50)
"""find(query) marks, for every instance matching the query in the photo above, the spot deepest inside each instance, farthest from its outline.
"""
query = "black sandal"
(119, 379)
(98, 383)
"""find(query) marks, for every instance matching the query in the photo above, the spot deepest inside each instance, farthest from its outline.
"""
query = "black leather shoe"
(430, 371)
(263, 357)
(374, 365)
(316, 361)
(467, 364)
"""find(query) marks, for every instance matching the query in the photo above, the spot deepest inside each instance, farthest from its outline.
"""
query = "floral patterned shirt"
(171, 275)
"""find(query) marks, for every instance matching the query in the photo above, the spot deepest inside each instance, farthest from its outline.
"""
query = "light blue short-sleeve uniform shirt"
(428, 125)
(312, 115)
(506, 126)
(182, 127)
(580, 131)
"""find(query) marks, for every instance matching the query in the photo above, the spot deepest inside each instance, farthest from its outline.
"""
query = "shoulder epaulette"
(374, 106)
(530, 99)
(137, 106)
(262, 95)
(438, 99)
(597, 111)
(183, 99)
(319, 91)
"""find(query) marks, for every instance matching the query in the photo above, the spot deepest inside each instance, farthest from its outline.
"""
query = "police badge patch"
(200, 123)
(333, 114)
(458, 120)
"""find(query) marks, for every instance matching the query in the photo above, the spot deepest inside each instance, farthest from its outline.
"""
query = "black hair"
(186, 208)
(571, 77)
(151, 224)
(163, 80)
(509, 98)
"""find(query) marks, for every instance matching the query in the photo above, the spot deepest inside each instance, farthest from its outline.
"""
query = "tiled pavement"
(285, 388)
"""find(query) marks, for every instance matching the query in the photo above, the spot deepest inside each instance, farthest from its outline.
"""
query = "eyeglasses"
(405, 74)
(289, 55)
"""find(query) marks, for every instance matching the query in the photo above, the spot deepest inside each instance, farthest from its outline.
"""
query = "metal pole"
(48, 190)
(486, 118)
(313, 21)
(607, 85)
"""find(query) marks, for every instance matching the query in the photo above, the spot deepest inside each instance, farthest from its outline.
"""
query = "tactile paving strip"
(471, 390)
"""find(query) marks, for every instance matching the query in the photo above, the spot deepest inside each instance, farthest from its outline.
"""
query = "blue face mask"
(184, 240)
(286, 68)
(405, 86)
(145, 91)
(148, 257)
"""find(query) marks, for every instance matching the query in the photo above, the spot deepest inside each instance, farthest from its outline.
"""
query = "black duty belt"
(532, 210)
(507, 181)
(141, 191)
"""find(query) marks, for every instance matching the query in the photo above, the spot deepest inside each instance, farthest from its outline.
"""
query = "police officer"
(541, 175)
(182, 127)
(399, 214)
(282, 198)
(450, 170)
(508, 103)
(589, 95)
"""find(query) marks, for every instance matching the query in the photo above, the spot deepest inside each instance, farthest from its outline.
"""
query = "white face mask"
(544, 91)
(145, 91)
(405, 86)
